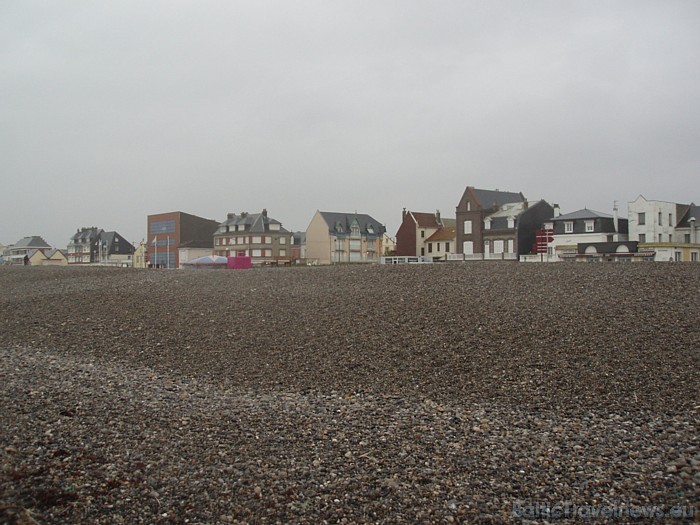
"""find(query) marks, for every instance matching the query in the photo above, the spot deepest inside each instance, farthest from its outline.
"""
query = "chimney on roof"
(230, 215)
(437, 217)
(264, 212)
(615, 219)
(403, 214)
(557, 211)
(244, 214)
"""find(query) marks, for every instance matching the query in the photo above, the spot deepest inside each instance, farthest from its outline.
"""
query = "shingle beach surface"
(353, 394)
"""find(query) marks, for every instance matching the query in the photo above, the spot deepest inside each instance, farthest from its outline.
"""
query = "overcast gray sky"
(111, 111)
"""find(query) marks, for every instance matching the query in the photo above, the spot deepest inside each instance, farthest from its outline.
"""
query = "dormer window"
(339, 228)
(370, 229)
(569, 227)
(487, 224)
(590, 226)
(511, 222)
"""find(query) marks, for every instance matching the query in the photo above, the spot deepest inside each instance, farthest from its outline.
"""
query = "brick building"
(168, 231)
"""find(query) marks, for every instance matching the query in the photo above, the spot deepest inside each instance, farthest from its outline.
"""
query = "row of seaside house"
(489, 225)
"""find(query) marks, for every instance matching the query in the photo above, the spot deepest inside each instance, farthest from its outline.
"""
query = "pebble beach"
(445, 393)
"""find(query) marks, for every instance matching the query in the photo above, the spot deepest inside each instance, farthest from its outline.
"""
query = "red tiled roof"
(425, 220)
(446, 233)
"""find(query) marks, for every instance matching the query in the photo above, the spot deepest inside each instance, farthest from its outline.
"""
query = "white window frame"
(568, 227)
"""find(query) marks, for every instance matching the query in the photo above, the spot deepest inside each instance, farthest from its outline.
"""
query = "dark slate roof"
(86, 234)
(255, 222)
(107, 239)
(581, 215)
(693, 211)
(333, 219)
(300, 238)
(500, 223)
(34, 241)
(489, 198)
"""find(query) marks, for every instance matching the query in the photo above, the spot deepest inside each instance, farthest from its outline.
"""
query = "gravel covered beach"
(353, 394)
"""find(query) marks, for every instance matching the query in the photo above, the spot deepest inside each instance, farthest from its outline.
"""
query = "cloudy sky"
(110, 111)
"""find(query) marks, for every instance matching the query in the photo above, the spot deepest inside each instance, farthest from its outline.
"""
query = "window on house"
(548, 225)
(447, 246)
(422, 252)
(641, 218)
(589, 226)
(678, 256)
(256, 253)
(511, 222)
(430, 247)
(670, 237)
(467, 227)
(687, 238)
(283, 253)
(568, 227)
(670, 219)
(694, 256)
(438, 247)
(283, 240)
(642, 237)
(487, 224)
(422, 234)
(660, 238)
(469, 206)
(256, 240)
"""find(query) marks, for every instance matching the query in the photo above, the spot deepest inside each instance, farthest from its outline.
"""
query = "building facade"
(167, 231)
(255, 235)
(583, 226)
(334, 238)
(83, 246)
(25, 247)
(474, 206)
(420, 233)
(667, 228)
(96, 246)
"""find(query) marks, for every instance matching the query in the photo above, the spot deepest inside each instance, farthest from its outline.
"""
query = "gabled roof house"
(333, 237)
